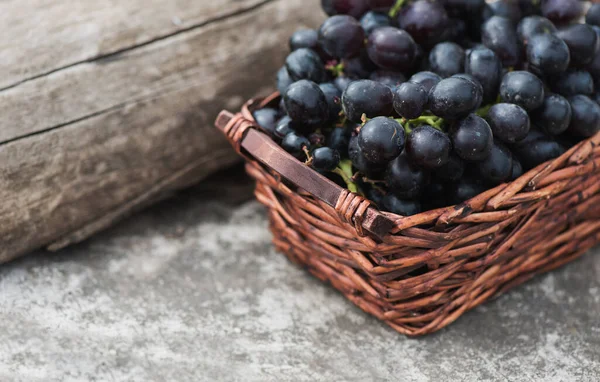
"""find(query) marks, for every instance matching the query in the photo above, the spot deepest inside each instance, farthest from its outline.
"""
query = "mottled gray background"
(191, 290)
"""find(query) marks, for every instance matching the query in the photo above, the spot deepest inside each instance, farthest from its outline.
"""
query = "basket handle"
(351, 207)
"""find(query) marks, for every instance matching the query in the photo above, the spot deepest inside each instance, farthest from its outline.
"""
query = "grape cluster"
(419, 104)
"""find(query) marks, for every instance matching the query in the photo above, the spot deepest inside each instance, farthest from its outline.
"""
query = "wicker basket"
(420, 273)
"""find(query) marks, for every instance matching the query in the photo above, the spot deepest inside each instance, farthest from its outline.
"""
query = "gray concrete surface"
(191, 290)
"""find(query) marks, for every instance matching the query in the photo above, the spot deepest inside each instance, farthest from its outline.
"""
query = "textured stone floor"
(191, 290)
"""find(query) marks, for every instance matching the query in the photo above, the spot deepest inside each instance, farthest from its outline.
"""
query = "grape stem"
(433, 121)
(344, 169)
(396, 8)
(337, 69)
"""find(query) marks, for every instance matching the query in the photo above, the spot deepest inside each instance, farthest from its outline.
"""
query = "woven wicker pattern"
(434, 266)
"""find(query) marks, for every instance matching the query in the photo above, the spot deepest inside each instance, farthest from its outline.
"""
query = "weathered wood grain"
(101, 136)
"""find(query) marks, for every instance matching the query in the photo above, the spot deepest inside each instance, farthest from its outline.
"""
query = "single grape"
(305, 64)
(532, 26)
(517, 169)
(592, 16)
(582, 41)
(334, 99)
(284, 127)
(373, 20)
(387, 77)
(498, 34)
(325, 159)
(522, 88)
(452, 171)
(463, 7)
(361, 163)
(316, 139)
(548, 54)
(266, 118)
(354, 8)
(472, 138)
(381, 5)
(594, 67)
(339, 139)
(342, 82)
(366, 97)
(391, 48)
(424, 20)
(496, 168)
(554, 116)
(295, 144)
(304, 38)
(466, 188)
(381, 139)
(376, 196)
(395, 205)
(427, 79)
(306, 104)
(471, 79)
(428, 148)
(341, 36)
(359, 67)
(573, 82)
(456, 32)
(508, 9)
(510, 123)
(536, 149)
(585, 116)
(562, 11)
(446, 59)
(404, 179)
(454, 98)
(410, 100)
(283, 80)
(483, 64)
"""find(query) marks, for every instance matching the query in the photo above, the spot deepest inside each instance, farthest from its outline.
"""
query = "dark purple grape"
(266, 118)
(452, 171)
(471, 79)
(536, 149)
(497, 167)
(424, 20)
(284, 127)
(454, 98)
(510, 123)
(592, 16)
(410, 100)
(295, 145)
(359, 66)
(596, 97)
(404, 179)
(338, 139)
(283, 80)
(498, 34)
(456, 32)
(446, 59)
(594, 68)
(483, 64)
(472, 138)
(361, 163)
(388, 78)
(435, 195)
(522, 88)
(554, 116)
(548, 54)
(428, 148)
(376, 196)
(395, 205)
(573, 82)
(517, 169)
(506, 8)
(341, 36)
(562, 11)
(342, 82)
(325, 159)
(366, 97)
(459, 8)
(427, 79)
(585, 116)
(304, 38)
(391, 48)
(582, 41)
(533, 25)
(381, 139)
(305, 64)
(381, 5)
(354, 8)
(316, 139)
(466, 188)
(373, 20)
(334, 99)
(530, 7)
(306, 104)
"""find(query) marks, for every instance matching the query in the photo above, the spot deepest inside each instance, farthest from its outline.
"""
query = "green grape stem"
(433, 121)
(344, 169)
(396, 8)
(337, 69)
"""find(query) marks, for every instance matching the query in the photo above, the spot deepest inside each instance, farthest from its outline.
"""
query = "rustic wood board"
(110, 104)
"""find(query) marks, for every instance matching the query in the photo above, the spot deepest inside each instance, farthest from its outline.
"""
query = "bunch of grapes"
(424, 104)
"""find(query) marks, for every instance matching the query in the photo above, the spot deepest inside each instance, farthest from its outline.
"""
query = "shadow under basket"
(420, 273)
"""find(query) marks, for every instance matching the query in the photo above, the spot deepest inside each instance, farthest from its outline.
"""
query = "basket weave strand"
(434, 266)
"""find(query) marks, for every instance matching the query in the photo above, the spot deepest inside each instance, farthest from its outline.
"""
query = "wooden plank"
(90, 143)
